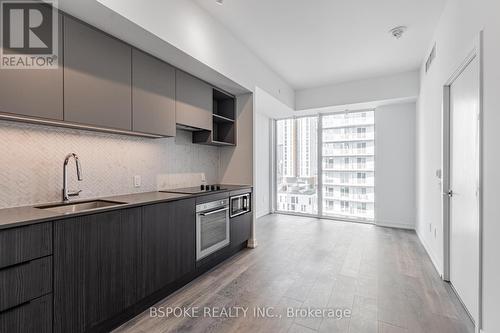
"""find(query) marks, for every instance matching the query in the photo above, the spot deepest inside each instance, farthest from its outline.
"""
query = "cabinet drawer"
(24, 282)
(25, 243)
(241, 229)
(32, 317)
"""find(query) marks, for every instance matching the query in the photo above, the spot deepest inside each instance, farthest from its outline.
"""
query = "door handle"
(449, 193)
(214, 211)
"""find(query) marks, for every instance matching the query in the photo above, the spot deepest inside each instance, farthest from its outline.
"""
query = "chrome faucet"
(65, 194)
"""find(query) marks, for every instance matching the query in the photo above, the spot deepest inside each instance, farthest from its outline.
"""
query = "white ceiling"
(312, 43)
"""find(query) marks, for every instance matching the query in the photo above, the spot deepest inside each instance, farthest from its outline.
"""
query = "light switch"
(137, 181)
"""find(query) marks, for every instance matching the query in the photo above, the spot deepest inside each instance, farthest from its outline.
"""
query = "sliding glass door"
(297, 165)
(337, 180)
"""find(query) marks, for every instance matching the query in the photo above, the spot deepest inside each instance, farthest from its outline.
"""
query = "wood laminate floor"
(382, 275)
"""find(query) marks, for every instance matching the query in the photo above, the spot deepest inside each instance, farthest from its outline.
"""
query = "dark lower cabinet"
(32, 317)
(168, 244)
(95, 268)
(105, 267)
(241, 228)
(27, 281)
(22, 244)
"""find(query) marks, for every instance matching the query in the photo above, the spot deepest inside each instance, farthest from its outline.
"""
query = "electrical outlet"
(137, 181)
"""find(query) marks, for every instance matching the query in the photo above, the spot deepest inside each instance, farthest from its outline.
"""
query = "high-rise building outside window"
(297, 165)
(342, 147)
(355, 164)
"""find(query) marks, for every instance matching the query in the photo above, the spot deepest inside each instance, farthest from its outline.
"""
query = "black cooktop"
(199, 189)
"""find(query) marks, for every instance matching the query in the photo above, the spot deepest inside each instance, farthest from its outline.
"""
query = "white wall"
(262, 166)
(236, 165)
(190, 29)
(491, 176)
(395, 165)
(402, 86)
(268, 105)
(266, 108)
(458, 27)
(31, 160)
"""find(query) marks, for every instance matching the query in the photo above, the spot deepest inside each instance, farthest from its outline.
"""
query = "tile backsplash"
(31, 163)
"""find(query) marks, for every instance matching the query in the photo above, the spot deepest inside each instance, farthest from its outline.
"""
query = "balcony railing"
(367, 182)
(348, 152)
(348, 167)
(349, 197)
(333, 122)
(342, 137)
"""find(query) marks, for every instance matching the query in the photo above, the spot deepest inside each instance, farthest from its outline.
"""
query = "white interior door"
(464, 182)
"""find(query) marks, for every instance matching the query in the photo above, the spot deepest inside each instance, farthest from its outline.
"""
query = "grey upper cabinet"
(105, 84)
(97, 77)
(34, 92)
(193, 102)
(153, 95)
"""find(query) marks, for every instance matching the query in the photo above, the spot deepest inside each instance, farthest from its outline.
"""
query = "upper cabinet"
(97, 77)
(153, 95)
(34, 92)
(193, 102)
(104, 84)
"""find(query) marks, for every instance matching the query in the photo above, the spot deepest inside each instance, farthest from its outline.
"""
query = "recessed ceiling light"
(398, 32)
(219, 2)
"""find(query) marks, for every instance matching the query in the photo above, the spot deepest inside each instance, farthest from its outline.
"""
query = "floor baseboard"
(394, 225)
(429, 253)
(261, 214)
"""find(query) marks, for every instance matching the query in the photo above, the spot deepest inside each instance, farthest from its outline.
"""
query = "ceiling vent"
(398, 32)
(430, 59)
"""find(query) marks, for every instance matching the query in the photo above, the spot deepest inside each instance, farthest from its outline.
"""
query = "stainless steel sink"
(68, 208)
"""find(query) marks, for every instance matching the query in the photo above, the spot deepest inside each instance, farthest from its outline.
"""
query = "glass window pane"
(297, 165)
(349, 165)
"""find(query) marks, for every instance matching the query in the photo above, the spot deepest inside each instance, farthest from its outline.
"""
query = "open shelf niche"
(224, 122)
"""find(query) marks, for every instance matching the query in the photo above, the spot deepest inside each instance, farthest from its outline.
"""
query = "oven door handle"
(214, 211)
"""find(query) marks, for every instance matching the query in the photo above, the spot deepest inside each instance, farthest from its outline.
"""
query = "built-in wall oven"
(240, 204)
(212, 227)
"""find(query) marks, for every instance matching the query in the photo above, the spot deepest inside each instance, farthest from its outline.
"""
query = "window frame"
(320, 167)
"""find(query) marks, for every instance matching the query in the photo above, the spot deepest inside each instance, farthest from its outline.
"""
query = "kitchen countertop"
(19, 216)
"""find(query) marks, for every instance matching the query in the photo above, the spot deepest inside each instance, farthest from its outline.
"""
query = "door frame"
(474, 53)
